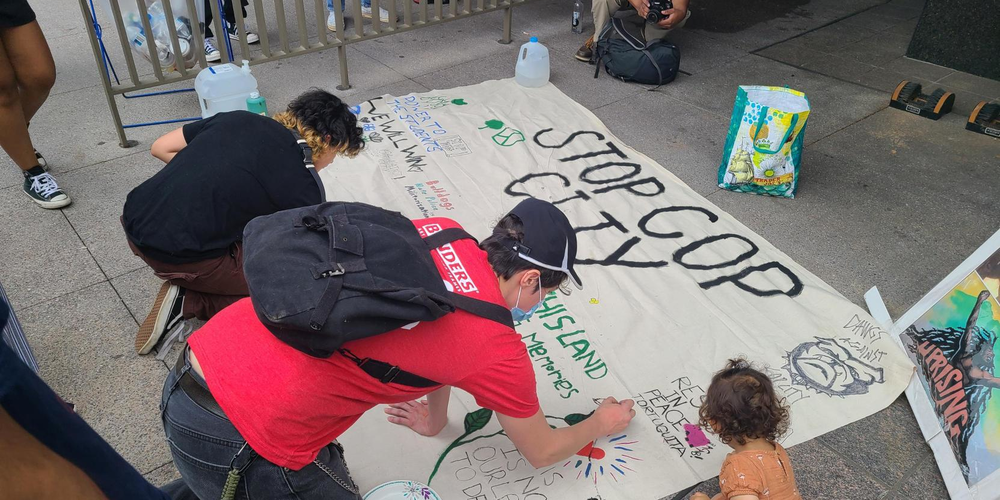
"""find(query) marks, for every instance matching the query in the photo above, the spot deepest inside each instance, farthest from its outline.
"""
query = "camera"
(656, 8)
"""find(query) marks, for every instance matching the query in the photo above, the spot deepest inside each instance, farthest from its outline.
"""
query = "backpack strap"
(481, 308)
(659, 74)
(623, 32)
(307, 152)
(386, 373)
(597, 57)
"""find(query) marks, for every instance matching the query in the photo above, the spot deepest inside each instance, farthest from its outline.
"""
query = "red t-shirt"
(289, 405)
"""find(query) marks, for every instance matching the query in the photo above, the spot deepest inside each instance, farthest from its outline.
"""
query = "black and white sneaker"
(166, 312)
(234, 34)
(212, 54)
(42, 188)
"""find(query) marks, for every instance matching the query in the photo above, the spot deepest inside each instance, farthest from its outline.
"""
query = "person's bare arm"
(973, 319)
(427, 417)
(542, 445)
(984, 378)
(168, 145)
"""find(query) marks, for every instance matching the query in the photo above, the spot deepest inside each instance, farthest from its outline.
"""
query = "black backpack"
(327, 274)
(629, 58)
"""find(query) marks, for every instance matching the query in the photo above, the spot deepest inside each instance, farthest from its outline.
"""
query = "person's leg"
(327, 477)
(34, 68)
(214, 285)
(601, 10)
(26, 76)
(202, 444)
(208, 18)
(14, 138)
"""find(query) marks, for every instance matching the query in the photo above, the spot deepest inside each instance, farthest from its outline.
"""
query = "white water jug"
(224, 87)
(532, 69)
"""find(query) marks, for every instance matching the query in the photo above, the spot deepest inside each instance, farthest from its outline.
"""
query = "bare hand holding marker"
(615, 416)
(416, 415)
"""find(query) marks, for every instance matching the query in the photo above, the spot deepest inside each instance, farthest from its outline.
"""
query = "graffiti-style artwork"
(953, 345)
(829, 368)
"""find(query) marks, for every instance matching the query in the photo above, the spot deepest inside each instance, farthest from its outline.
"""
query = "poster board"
(951, 335)
(674, 287)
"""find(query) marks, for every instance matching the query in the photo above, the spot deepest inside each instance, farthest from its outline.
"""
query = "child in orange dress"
(742, 408)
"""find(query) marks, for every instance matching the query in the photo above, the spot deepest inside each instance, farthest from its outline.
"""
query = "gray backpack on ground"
(629, 58)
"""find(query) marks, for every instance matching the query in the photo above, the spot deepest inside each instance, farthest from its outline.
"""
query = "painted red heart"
(590, 451)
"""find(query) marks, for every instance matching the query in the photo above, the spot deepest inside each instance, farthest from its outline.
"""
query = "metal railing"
(311, 37)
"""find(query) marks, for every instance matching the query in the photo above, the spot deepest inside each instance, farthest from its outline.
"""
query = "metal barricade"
(415, 14)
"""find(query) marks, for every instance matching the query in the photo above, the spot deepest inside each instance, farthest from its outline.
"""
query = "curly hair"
(504, 260)
(325, 122)
(741, 405)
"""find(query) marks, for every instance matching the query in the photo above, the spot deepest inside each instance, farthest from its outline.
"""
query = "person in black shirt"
(187, 220)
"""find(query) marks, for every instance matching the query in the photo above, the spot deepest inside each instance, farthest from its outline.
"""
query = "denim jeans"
(203, 445)
(329, 4)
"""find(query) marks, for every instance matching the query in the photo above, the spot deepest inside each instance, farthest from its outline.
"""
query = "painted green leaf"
(576, 418)
(477, 420)
(459, 102)
(494, 124)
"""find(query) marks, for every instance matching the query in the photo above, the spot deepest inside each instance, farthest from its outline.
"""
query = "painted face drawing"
(827, 367)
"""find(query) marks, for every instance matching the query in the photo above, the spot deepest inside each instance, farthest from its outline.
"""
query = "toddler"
(742, 408)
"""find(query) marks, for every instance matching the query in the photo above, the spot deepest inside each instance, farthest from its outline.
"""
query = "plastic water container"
(224, 87)
(532, 68)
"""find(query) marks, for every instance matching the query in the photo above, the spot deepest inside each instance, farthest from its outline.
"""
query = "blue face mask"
(520, 314)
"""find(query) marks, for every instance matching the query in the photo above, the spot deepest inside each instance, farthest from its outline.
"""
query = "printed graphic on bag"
(763, 148)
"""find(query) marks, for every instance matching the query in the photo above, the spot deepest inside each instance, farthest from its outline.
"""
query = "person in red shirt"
(241, 400)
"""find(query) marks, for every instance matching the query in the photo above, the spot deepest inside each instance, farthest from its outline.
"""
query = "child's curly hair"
(325, 122)
(742, 405)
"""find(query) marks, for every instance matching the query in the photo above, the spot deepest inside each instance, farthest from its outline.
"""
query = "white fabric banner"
(951, 335)
(674, 287)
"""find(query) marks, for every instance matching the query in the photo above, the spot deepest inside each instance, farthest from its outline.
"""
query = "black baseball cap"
(549, 239)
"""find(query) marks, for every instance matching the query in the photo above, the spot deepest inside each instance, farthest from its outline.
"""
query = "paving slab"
(834, 105)
(960, 81)
(833, 37)
(163, 474)
(137, 290)
(919, 69)
(899, 442)
(72, 130)
(685, 140)
(423, 51)
(876, 50)
(95, 217)
(83, 342)
(922, 481)
(874, 196)
(821, 473)
(42, 255)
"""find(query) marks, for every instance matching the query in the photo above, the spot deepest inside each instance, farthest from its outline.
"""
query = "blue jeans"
(203, 445)
(329, 4)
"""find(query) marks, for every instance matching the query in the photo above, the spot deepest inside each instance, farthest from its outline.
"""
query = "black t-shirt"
(236, 166)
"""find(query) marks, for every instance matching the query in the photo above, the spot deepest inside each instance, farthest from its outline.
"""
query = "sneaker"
(40, 160)
(331, 22)
(586, 52)
(166, 312)
(234, 33)
(41, 187)
(212, 54)
(383, 15)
